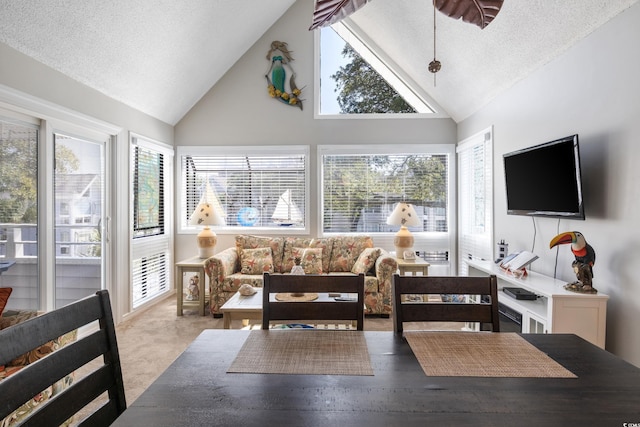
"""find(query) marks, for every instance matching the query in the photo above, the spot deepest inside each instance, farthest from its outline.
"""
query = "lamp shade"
(404, 214)
(205, 214)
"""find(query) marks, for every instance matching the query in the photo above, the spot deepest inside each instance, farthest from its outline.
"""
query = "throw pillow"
(256, 261)
(366, 261)
(311, 260)
(290, 245)
(327, 246)
(276, 244)
(4, 297)
(346, 250)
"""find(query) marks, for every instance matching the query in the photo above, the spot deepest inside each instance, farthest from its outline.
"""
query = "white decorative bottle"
(297, 268)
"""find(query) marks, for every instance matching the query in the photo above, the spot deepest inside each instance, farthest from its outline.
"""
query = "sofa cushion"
(16, 318)
(289, 257)
(4, 298)
(346, 251)
(252, 242)
(327, 246)
(311, 260)
(232, 282)
(366, 261)
(256, 261)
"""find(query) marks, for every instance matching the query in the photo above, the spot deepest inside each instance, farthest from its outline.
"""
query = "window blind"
(361, 184)
(475, 199)
(148, 192)
(152, 233)
(150, 277)
(250, 189)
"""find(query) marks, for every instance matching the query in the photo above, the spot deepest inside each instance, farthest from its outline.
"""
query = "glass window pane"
(148, 193)
(360, 191)
(78, 200)
(19, 213)
(265, 191)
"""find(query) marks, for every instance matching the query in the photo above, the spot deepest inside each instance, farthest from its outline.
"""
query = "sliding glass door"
(79, 217)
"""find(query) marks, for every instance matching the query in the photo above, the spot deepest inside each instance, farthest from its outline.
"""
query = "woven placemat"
(311, 352)
(289, 297)
(481, 354)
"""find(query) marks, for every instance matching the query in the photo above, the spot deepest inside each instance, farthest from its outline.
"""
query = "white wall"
(239, 111)
(593, 90)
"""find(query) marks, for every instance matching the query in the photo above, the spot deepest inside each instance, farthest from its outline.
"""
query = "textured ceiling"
(479, 64)
(162, 56)
(158, 56)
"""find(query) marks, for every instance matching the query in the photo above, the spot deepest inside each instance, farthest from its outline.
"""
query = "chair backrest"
(32, 379)
(411, 304)
(324, 308)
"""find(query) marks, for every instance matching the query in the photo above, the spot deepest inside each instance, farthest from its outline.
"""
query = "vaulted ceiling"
(161, 56)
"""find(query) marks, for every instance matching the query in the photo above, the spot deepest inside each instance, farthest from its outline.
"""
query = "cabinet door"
(535, 324)
(585, 317)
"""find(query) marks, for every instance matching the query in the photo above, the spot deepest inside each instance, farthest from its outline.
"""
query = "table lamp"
(405, 216)
(206, 215)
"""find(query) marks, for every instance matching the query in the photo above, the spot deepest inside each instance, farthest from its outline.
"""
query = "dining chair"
(348, 306)
(411, 302)
(102, 375)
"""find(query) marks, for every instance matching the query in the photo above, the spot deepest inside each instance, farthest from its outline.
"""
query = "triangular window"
(356, 80)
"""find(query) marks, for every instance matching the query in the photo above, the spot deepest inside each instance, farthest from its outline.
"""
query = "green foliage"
(362, 90)
(353, 183)
(19, 178)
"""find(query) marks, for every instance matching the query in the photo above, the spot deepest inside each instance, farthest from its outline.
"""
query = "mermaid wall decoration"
(279, 88)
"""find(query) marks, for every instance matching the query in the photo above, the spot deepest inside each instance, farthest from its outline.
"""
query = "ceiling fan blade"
(478, 12)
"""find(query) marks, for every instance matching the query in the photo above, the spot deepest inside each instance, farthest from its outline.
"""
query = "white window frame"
(158, 248)
(54, 118)
(427, 241)
(475, 240)
(266, 150)
(406, 87)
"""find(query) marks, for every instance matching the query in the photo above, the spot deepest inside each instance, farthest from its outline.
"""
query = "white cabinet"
(556, 310)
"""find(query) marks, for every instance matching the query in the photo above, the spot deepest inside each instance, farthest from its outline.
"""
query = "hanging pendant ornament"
(435, 65)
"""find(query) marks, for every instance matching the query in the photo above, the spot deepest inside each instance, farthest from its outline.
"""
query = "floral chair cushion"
(256, 261)
(4, 297)
(366, 261)
(346, 251)
(31, 356)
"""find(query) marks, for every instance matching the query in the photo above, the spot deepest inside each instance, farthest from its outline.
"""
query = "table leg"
(202, 287)
(179, 286)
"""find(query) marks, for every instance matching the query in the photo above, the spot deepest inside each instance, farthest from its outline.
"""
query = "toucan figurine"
(583, 264)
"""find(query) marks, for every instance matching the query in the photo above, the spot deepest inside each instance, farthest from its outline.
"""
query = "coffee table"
(241, 307)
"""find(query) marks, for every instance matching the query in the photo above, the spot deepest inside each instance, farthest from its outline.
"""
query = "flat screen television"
(545, 180)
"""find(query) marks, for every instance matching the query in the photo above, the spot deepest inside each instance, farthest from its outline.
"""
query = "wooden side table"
(191, 265)
(413, 266)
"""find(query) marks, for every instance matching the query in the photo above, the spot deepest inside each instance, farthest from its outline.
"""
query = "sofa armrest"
(217, 268)
(386, 267)
(220, 266)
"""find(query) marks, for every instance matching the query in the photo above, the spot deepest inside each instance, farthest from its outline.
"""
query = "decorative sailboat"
(286, 212)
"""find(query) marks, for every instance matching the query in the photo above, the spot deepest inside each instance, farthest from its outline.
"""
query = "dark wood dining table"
(197, 390)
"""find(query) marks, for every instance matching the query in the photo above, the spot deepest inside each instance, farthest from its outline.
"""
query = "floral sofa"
(254, 255)
(8, 319)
